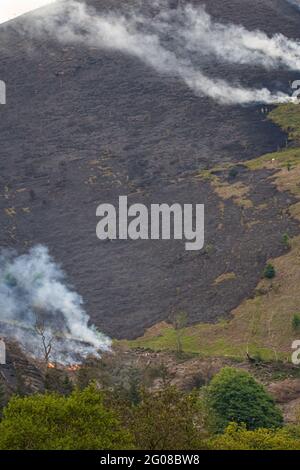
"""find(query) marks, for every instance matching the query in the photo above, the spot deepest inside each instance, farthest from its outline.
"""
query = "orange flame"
(74, 368)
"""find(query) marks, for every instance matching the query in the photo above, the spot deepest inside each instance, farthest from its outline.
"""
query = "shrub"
(286, 240)
(238, 437)
(235, 396)
(269, 271)
(233, 172)
(296, 322)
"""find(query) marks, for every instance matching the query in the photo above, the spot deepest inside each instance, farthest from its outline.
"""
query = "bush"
(296, 322)
(238, 437)
(269, 271)
(51, 421)
(235, 396)
(286, 240)
(233, 172)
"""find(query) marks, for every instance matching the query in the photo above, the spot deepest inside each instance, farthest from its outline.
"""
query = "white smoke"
(187, 29)
(231, 43)
(33, 291)
(296, 3)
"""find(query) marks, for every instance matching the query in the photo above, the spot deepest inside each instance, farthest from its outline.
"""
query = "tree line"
(233, 412)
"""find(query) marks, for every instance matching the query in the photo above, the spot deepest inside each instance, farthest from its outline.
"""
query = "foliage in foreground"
(235, 396)
(162, 420)
(168, 419)
(51, 421)
(238, 437)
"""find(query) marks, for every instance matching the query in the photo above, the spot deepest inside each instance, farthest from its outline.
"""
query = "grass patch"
(287, 117)
(237, 192)
(225, 190)
(224, 277)
(204, 340)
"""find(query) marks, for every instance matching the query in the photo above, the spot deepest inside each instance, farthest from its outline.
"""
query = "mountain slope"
(84, 125)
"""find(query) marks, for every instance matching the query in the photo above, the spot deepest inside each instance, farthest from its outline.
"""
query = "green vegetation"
(94, 419)
(286, 240)
(238, 437)
(202, 339)
(287, 116)
(168, 419)
(52, 421)
(232, 412)
(233, 172)
(235, 396)
(296, 322)
(269, 271)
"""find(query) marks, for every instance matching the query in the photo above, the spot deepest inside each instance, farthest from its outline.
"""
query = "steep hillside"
(84, 124)
(263, 325)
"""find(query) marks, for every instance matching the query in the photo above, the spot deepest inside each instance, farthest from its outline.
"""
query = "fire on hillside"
(70, 368)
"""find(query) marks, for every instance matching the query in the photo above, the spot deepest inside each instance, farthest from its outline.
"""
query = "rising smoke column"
(33, 290)
(142, 37)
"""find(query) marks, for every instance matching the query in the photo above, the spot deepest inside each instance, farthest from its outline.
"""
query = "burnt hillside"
(84, 125)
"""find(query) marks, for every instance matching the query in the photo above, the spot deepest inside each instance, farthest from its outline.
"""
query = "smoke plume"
(33, 295)
(296, 3)
(197, 32)
(174, 42)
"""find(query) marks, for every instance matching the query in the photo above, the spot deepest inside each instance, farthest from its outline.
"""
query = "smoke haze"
(174, 42)
(33, 292)
(296, 3)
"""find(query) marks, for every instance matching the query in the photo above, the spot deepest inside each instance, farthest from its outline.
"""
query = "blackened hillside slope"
(83, 126)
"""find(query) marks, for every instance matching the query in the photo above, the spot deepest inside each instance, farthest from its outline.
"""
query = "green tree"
(51, 421)
(234, 395)
(168, 419)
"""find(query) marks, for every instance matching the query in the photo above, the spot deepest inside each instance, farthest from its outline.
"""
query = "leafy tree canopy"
(168, 419)
(51, 421)
(235, 396)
